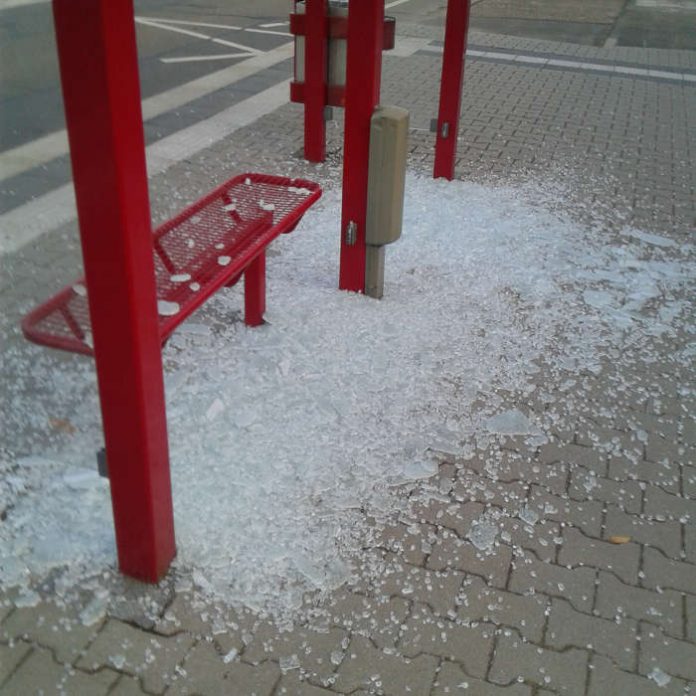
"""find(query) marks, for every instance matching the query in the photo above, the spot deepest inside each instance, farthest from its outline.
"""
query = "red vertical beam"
(99, 74)
(255, 291)
(451, 87)
(365, 32)
(315, 70)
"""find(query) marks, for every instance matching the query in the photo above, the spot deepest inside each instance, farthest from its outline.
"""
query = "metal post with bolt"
(315, 72)
(101, 92)
(364, 67)
(447, 125)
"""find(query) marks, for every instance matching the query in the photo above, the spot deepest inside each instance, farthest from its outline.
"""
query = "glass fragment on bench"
(299, 190)
(167, 309)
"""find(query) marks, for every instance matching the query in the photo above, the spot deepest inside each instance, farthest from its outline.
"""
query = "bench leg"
(255, 291)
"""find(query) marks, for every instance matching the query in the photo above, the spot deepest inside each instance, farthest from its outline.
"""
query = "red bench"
(210, 244)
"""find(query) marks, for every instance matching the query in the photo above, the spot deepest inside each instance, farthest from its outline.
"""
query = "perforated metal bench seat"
(208, 245)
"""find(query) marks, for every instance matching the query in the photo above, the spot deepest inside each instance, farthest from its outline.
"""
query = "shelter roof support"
(364, 69)
(456, 32)
(99, 73)
(315, 88)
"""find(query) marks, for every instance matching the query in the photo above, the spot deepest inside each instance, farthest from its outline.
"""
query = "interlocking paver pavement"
(552, 607)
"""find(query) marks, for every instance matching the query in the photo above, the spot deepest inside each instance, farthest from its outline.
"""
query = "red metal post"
(255, 291)
(451, 87)
(315, 73)
(364, 68)
(99, 74)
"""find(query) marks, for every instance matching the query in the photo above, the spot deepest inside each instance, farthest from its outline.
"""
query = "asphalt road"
(170, 54)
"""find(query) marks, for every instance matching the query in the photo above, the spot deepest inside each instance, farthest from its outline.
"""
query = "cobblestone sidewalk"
(593, 589)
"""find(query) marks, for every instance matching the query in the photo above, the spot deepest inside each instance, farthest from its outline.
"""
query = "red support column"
(315, 72)
(451, 87)
(99, 74)
(255, 291)
(365, 37)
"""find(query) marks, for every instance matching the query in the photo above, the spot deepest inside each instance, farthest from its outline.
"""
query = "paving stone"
(666, 536)
(409, 542)
(471, 486)
(186, 613)
(675, 657)
(6, 608)
(526, 613)
(451, 679)
(586, 515)
(291, 685)
(616, 600)
(368, 667)
(151, 657)
(205, 673)
(691, 618)
(664, 475)
(562, 672)
(609, 440)
(664, 426)
(377, 618)
(688, 431)
(585, 485)
(452, 552)
(532, 576)
(662, 505)
(61, 630)
(621, 559)
(606, 678)
(570, 454)
(513, 467)
(127, 686)
(617, 639)
(448, 513)
(660, 449)
(41, 674)
(541, 538)
(689, 479)
(435, 588)
(313, 650)
(10, 656)
(665, 573)
(434, 635)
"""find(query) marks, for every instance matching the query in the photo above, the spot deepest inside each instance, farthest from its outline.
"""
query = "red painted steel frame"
(365, 28)
(99, 73)
(315, 70)
(451, 87)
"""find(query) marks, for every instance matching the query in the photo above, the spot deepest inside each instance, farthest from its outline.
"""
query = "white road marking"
(232, 44)
(177, 30)
(194, 59)
(667, 5)
(195, 34)
(30, 221)
(191, 24)
(168, 26)
(574, 64)
(269, 31)
(273, 25)
(394, 3)
(48, 147)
